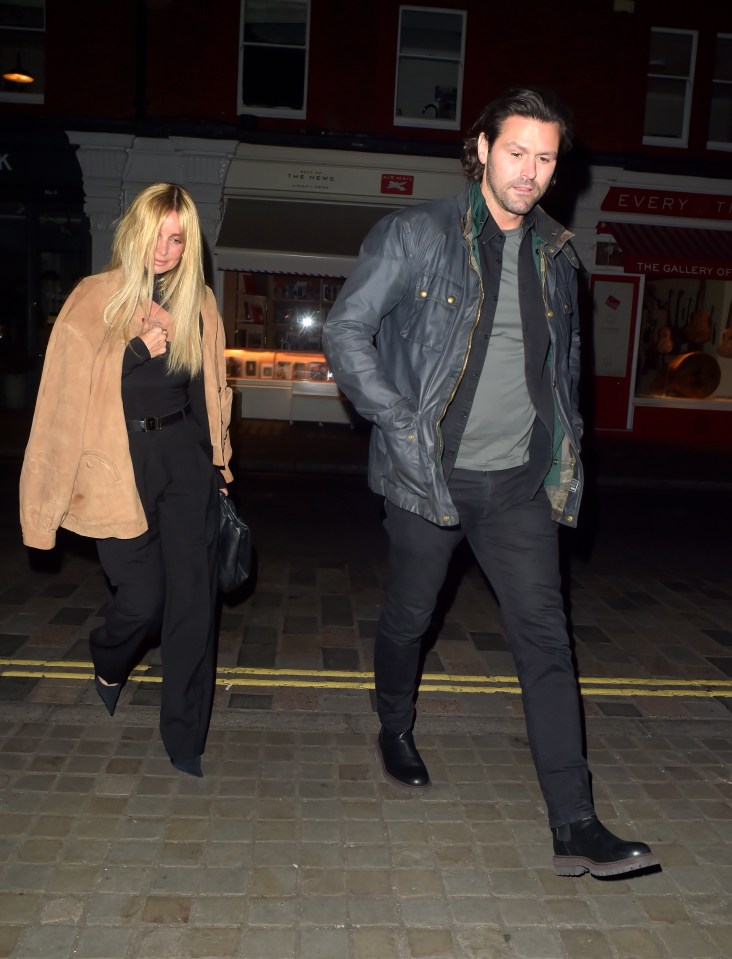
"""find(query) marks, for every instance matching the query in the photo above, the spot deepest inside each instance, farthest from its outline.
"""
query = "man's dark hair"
(534, 103)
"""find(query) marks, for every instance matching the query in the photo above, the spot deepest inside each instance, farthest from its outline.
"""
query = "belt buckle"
(152, 423)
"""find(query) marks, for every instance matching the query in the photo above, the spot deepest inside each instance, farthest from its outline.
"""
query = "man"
(457, 336)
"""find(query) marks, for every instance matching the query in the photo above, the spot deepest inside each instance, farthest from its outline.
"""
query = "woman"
(130, 445)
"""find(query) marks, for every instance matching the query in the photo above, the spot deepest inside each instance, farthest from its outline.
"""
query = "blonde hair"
(182, 289)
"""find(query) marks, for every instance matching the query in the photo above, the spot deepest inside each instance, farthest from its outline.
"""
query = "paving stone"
(216, 942)
(269, 943)
(324, 943)
(376, 943)
(103, 943)
(46, 942)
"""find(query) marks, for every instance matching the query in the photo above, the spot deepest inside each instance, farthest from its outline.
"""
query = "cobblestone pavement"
(293, 846)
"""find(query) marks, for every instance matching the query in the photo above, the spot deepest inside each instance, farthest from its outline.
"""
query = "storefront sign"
(664, 267)
(398, 183)
(310, 179)
(704, 206)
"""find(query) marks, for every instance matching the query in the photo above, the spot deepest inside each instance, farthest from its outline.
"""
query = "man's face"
(518, 168)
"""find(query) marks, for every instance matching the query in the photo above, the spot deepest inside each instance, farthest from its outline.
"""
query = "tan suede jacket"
(77, 472)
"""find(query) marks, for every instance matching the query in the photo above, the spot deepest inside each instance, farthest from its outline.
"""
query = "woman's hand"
(154, 332)
(223, 490)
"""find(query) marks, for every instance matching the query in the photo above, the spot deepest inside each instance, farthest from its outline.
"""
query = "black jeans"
(515, 542)
(165, 582)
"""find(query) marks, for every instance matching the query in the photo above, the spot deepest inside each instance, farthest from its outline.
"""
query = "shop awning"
(283, 236)
(672, 250)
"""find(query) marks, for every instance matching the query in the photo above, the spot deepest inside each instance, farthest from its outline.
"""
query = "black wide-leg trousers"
(165, 582)
(515, 542)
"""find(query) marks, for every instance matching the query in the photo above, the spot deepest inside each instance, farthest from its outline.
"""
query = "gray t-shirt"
(498, 430)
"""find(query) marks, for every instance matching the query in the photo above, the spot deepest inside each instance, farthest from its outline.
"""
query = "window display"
(279, 385)
(280, 311)
(684, 347)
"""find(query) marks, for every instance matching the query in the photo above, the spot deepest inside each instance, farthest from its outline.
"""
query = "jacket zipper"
(441, 417)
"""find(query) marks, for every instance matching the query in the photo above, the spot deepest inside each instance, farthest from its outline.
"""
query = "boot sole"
(398, 782)
(579, 865)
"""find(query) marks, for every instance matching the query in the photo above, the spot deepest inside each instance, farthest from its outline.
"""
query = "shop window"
(22, 51)
(429, 74)
(280, 311)
(720, 116)
(273, 60)
(685, 342)
(669, 87)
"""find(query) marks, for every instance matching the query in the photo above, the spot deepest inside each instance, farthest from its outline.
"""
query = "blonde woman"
(130, 445)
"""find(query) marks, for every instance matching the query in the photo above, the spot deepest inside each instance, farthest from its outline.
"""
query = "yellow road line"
(256, 677)
(357, 674)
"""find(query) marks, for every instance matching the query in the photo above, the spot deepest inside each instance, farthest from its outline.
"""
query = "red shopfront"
(662, 298)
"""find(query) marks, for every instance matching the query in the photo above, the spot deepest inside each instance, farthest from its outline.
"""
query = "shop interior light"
(307, 321)
(18, 75)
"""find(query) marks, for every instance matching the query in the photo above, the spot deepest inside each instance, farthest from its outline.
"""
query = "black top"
(148, 388)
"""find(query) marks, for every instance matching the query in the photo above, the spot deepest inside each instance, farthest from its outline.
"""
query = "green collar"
(478, 208)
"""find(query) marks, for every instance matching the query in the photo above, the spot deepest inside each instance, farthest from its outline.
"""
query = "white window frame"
(721, 144)
(683, 140)
(433, 123)
(7, 96)
(258, 111)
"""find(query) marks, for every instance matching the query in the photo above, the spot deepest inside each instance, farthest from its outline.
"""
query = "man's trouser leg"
(419, 554)
(515, 543)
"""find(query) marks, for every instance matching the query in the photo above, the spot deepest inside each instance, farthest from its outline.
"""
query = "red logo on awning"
(400, 183)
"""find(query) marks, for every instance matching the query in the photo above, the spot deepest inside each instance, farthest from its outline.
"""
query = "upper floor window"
(429, 76)
(273, 57)
(720, 116)
(22, 51)
(669, 88)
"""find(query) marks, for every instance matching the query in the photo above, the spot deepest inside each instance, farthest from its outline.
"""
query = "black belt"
(157, 422)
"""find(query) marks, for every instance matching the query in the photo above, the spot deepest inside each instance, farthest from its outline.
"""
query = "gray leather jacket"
(398, 337)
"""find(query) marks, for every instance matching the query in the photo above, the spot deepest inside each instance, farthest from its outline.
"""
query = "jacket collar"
(477, 215)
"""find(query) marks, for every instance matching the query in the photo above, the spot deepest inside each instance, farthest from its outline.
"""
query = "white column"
(117, 166)
(102, 158)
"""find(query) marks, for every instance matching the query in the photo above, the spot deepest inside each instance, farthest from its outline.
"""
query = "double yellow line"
(246, 676)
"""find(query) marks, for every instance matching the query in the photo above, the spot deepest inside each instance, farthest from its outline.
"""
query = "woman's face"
(169, 246)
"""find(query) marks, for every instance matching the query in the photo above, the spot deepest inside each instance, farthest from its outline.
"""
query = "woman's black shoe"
(400, 760)
(191, 766)
(108, 694)
(587, 846)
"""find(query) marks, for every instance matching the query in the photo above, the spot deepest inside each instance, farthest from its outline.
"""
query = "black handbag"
(235, 547)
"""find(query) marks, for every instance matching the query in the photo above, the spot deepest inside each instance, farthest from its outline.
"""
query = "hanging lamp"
(18, 75)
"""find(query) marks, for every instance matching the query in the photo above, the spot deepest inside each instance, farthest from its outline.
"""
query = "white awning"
(286, 236)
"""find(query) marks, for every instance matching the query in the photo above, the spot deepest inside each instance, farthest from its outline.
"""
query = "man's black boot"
(400, 760)
(587, 846)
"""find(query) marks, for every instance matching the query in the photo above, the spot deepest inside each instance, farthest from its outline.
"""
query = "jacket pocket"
(96, 488)
(436, 305)
(403, 462)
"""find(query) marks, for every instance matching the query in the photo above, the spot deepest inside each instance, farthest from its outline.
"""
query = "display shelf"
(286, 385)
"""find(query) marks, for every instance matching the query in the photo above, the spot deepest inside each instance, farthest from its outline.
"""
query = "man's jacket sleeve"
(377, 284)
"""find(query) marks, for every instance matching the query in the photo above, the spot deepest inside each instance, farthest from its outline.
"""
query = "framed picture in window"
(234, 362)
(283, 370)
